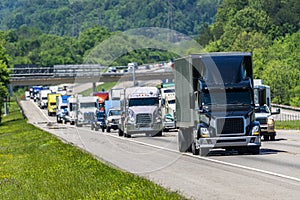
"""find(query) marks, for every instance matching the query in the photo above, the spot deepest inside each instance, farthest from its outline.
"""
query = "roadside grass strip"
(36, 165)
(288, 125)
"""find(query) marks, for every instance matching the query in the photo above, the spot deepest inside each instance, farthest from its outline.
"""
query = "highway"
(273, 174)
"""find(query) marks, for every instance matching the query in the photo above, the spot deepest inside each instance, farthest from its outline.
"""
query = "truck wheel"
(72, 122)
(204, 151)
(195, 151)
(108, 129)
(103, 129)
(58, 120)
(185, 138)
(158, 134)
(266, 138)
(272, 137)
(96, 128)
(120, 132)
(92, 126)
(253, 150)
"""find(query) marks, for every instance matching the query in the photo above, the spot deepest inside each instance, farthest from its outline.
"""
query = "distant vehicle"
(132, 66)
(168, 105)
(62, 108)
(72, 107)
(98, 120)
(112, 69)
(113, 114)
(27, 95)
(141, 112)
(267, 122)
(35, 92)
(52, 103)
(86, 109)
(263, 114)
(43, 98)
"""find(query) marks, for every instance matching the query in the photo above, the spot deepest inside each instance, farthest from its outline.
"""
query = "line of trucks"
(217, 105)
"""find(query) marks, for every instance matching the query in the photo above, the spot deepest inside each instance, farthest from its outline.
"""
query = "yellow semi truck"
(52, 103)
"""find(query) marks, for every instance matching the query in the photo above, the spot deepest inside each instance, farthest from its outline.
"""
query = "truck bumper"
(169, 125)
(112, 126)
(137, 129)
(267, 129)
(223, 142)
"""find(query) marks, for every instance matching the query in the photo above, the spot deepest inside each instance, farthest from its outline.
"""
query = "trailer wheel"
(185, 138)
(195, 151)
(120, 132)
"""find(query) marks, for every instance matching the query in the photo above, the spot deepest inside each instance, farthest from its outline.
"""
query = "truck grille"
(226, 126)
(144, 118)
(262, 120)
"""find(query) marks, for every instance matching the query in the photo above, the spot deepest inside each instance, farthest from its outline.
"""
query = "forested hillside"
(66, 31)
(70, 17)
(269, 29)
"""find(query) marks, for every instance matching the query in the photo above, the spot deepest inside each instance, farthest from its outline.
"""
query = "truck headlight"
(204, 132)
(158, 119)
(270, 121)
(255, 131)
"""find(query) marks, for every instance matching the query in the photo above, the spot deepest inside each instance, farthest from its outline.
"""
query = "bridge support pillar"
(94, 87)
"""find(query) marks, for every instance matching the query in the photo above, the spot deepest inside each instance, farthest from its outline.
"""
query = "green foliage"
(37, 165)
(62, 17)
(269, 29)
(288, 125)
(4, 74)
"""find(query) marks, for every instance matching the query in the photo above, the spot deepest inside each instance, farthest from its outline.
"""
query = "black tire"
(195, 151)
(272, 137)
(204, 151)
(108, 129)
(103, 129)
(266, 138)
(72, 122)
(158, 134)
(96, 128)
(120, 132)
(92, 126)
(58, 120)
(185, 139)
(254, 150)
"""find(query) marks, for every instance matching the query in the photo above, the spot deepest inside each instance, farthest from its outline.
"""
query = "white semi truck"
(141, 112)
(86, 109)
(43, 98)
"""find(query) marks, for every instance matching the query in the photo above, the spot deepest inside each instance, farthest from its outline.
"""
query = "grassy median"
(36, 165)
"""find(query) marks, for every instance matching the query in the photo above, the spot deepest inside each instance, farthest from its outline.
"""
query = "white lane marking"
(245, 167)
(204, 158)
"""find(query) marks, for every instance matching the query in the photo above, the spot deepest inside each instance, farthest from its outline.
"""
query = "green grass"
(292, 125)
(36, 165)
(106, 86)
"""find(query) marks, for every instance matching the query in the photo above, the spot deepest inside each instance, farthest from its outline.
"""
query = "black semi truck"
(215, 103)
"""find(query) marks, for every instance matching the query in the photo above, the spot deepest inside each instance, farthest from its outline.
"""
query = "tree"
(4, 75)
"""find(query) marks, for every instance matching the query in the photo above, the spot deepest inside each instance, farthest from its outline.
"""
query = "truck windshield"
(172, 101)
(88, 105)
(143, 101)
(237, 97)
(72, 106)
(114, 112)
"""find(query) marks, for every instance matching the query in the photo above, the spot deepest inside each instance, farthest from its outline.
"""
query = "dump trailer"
(215, 103)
